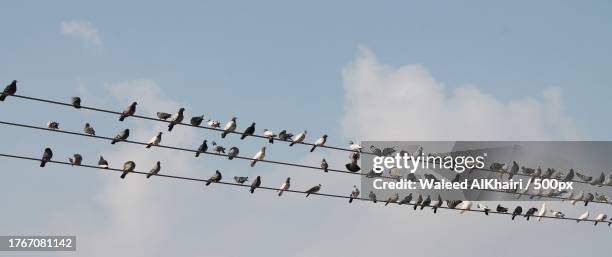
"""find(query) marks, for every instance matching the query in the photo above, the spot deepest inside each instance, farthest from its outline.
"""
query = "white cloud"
(82, 30)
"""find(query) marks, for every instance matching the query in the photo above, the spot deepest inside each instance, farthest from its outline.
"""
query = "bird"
(129, 111)
(123, 135)
(530, 212)
(76, 160)
(588, 198)
(128, 167)
(354, 156)
(568, 177)
(163, 115)
(354, 147)
(557, 214)
(202, 148)
(102, 163)
(324, 165)
(155, 169)
(230, 126)
(155, 140)
(76, 102)
(197, 120)
(313, 190)
(599, 181)
(513, 170)
(354, 194)
(89, 130)
(217, 148)
(517, 211)
(501, 209)
(215, 178)
(176, 119)
(284, 135)
(584, 178)
(298, 138)
(372, 196)
(320, 142)
(418, 201)
(601, 217)
(285, 186)
(259, 156)
(467, 205)
(376, 151)
(438, 204)
(484, 208)
(255, 184)
(11, 89)
(47, 155)
(240, 180)
(270, 135)
(233, 152)
(248, 131)
(583, 216)
(392, 199)
(406, 199)
(426, 202)
(352, 166)
(452, 204)
(53, 125)
(214, 123)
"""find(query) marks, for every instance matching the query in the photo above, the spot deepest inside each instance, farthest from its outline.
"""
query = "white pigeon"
(542, 212)
(320, 142)
(285, 186)
(467, 205)
(577, 198)
(298, 138)
(155, 140)
(582, 217)
(259, 156)
(230, 126)
(270, 135)
(354, 147)
(484, 208)
(601, 217)
(214, 123)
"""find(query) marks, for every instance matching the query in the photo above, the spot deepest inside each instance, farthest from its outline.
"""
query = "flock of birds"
(352, 166)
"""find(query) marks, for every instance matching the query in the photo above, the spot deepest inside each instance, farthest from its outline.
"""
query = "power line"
(276, 189)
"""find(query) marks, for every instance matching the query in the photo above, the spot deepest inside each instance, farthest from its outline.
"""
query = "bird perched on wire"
(354, 194)
(299, 138)
(241, 180)
(438, 204)
(418, 202)
(89, 130)
(324, 165)
(467, 205)
(154, 170)
(128, 167)
(255, 184)
(155, 140)
(53, 125)
(270, 135)
(163, 115)
(230, 126)
(583, 216)
(501, 209)
(569, 176)
(517, 211)
(197, 120)
(248, 131)
(129, 111)
(233, 152)
(217, 148)
(47, 155)
(352, 166)
(76, 102)
(513, 170)
(354, 147)
(259, 156)
(484, 208)
(102, 163)
(76, 160)
(214, 123)
(372, 196)
(284, 135)
(588, 198)
(557, 214)
(452, 204)
(285, 186)
(426, 202)
(584, 178)
(320, 142)
(202, 148)
(215, 178)
(530, 212)
(601, 217)
(406, 199)
(313, 190)
(11, 89)
(392, 199)
(176, 119)
(122, 136)
(599, 181)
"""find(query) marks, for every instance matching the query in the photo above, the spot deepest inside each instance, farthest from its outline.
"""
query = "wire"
(276, 189)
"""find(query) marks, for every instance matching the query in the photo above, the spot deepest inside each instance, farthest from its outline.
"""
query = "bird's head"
(324, 136)
(234, 118)
(182, 110)
(205, 141)
(351, 142)
(160, 133)
(158, 163)
(134, 103)
(126, 131)
(263, 148)
(14, 81)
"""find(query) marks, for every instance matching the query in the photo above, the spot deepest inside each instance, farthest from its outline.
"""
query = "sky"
(358, 70)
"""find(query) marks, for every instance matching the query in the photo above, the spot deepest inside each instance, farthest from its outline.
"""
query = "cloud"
(81, 30)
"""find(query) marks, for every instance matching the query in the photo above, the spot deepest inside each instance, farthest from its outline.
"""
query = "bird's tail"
(208, 182)
(243, 136)
(2, 97)
(595, 224)
(113, 142)
(124, 174)
(121, 118)
(313, 148)
(307, 194)
(416, 206)
(148, 146)
(253, 163)
(435, 209)
(42, 164)
(422, 206)
(325, 170)
(351, 200)
(232, 157)
(271, 140)
(386, 203)
(292, 143)
(586, 203)
(252, 190)
(513, 216)
(149, 175)
(170, 126)
(223, 134)
(280, 193)
(197, 154)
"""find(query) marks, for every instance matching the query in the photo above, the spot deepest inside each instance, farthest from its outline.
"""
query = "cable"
(276, 189)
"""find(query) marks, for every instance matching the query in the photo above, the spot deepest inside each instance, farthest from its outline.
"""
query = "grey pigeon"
(11, 89)
(324, 165)
(154, 170)
(426, 202)
(411, 177)
(372, 196)
(176, 119)
(202, 148)
(452, 204)
(438, 204)
(76, 102)
(128, 167)
(584, 178)
(53, 125)
(241, 180)
(214, 123)
(47, 155)
(248, 131)
(388, 151)
(418, 201)
(255, 184)
(155, 140)
(233, 152)
(76, 160)
(102, 163)
(215, 178)
(392, 199)
(517, 211)
(501, 209)
(217, 148)
(530, 212)
(313, 190)
(406, 199)
(89, 130)
(599, 181)
(376, 151)
(197, 120)
(129, 111)
(513, 170)
(122, 136)
(320, 142)
(354, 194)
(230, 126)
(570, 176)
(284, 135)
(588, 198)
(163, 115)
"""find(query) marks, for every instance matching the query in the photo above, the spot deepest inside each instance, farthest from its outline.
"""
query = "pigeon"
(501, 209)
(313, 190)
(352, 166)
(284, 135)
(588, 198)
(155, 140)
(527, 171)
(530, 212)
(484, 208)
(76, 102)
(285, 186)
(215, 178)
(319, 142)
(354, 194)
(163, 115)
(324, 165)
(76, 160)
(102, 163)
(517, 211)
(569, 177)
(406, 199)
(452, 204)
(583, 216)
(601, 217)
(233, 152)
(248, 131)
(270, 135)
(214, 123)
(47, 155)
(128, 167)
(392, 199)
(240, 180)
(255, 184)
(129, 111)
(584, 178)
(230, 126)
(53, 125)
(599, 181)
(418, 201)
(123, 135)
(176, 119)
(372, 196)
(202, 148)
(354, 147)
(419, 151)
(154, 170)
(298, 138)
(577, 198)
(411, 177)
(513, 170)
(196, 121)
(217, 148)
(557, 214)
(89, 130)
(438, 204)
(467, 205)
(11, 89)
(388, 151)
(259, 156)
(354, 156)
(538, 172)
(376, 151)
(426, 202)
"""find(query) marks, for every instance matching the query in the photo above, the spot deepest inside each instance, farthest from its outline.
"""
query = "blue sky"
(285, 65)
